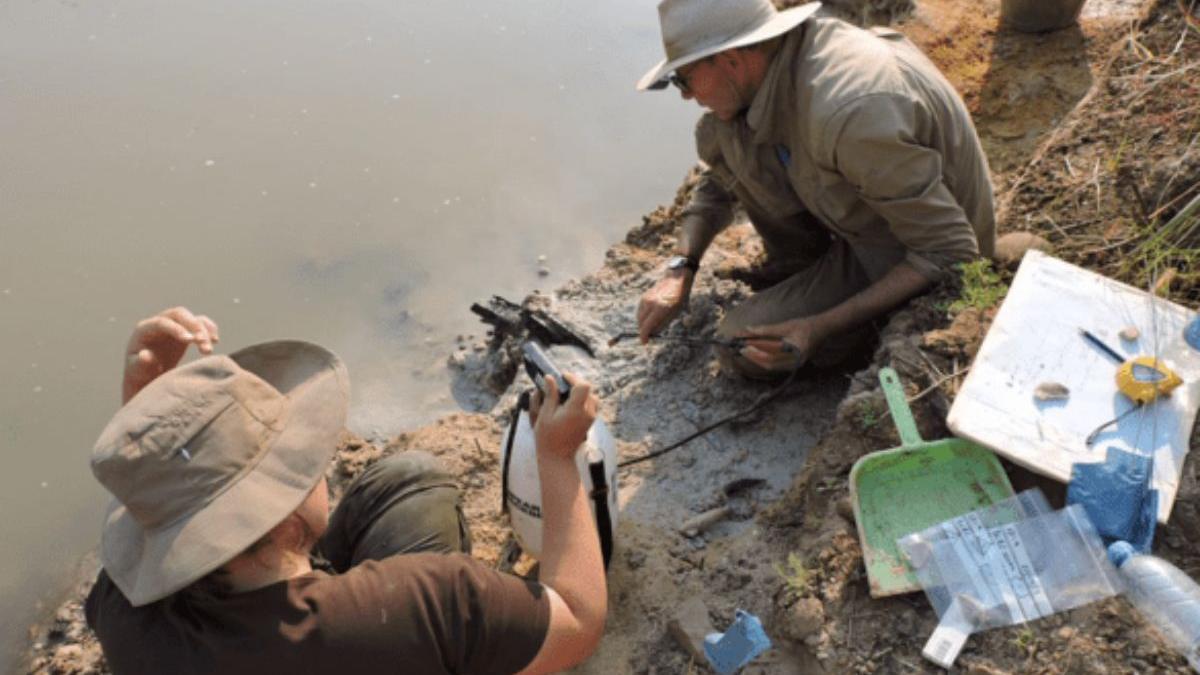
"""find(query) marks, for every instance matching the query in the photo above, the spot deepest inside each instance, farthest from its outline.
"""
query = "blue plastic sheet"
(745, 639)
(1117, 497)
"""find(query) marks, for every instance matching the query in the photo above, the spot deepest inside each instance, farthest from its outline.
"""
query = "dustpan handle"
(906, 426)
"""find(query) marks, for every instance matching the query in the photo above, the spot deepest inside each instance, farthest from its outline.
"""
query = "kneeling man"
(854, 158)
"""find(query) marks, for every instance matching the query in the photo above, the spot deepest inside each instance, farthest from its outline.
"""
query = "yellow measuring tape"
(1145, 378)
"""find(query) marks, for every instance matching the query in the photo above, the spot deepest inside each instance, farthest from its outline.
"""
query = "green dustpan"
(919, 484)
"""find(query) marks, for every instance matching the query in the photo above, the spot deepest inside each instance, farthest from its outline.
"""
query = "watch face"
(680, 262)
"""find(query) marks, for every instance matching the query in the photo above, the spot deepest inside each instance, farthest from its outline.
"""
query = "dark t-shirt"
(422, 613)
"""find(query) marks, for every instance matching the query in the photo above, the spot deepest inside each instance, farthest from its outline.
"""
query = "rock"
(807, 617)
(845, 509)
(1011, 247)
(689, 626)
(1051, 391)
(1066, 633)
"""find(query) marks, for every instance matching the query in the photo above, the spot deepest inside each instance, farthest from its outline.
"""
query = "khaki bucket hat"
(695, 29)
(212, 455)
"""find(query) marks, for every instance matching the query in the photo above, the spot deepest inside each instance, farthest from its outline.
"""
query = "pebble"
(807, 618)
(1051, 391)
(1010, 248)
(543, 271)
(1066, 633)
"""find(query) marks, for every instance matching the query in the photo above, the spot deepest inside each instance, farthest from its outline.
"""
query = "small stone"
(1013, 246)
(689, 626)
(1051, 391)
(1129, 333)
(845, 509)
(807, 618)
(1066, 633)
(543, 271)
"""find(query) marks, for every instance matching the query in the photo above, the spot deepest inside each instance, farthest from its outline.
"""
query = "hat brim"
(781, 23)
(148, 564)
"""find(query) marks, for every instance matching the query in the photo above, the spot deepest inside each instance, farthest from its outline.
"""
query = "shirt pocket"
(762, 175)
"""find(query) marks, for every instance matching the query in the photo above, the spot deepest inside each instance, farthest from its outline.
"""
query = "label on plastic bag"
(999, 567)
(948, 638)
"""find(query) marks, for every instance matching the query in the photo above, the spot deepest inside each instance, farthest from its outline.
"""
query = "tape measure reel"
(1145, 378)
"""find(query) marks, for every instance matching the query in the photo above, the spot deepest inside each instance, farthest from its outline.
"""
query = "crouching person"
(220, 555)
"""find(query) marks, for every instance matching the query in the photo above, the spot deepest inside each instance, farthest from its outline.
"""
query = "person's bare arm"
(710, 212)
(572, 569)
(803, 335)
(159, 342)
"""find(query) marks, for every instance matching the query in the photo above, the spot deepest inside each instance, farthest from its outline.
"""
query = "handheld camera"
(539, 366)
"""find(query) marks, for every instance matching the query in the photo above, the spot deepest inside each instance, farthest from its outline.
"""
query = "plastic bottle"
(1164, 595)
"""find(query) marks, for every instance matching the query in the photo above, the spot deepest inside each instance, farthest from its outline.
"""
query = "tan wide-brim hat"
(695, 29)
(212, 455)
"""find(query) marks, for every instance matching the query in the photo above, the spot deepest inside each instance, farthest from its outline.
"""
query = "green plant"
(982, 286)
(795, 575)
(1024, 639)
(1170, 244)
(869, 416)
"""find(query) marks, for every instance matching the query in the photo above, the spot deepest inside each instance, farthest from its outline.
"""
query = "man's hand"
(800, 338)
(663, 302)
(559, 429)
(158, 343)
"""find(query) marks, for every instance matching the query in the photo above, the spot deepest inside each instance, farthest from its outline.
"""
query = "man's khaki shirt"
(861, 129)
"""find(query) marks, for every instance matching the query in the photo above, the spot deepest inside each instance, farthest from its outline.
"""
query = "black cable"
(762, 400)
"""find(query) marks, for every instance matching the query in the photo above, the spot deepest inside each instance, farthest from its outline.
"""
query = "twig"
(1162, 286)
(926, 391)
(1178, 168)
(1053, 224)
(1187, 25)
(1137, 47)
(1103, 249)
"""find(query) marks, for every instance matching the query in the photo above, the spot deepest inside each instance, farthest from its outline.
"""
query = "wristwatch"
(677, 262)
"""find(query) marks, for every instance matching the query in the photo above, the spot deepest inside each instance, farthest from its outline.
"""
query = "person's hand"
(800, 337)
(663, 302)
(158, 343)
(560, 428)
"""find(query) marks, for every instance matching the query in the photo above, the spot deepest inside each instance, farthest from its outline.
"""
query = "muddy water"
(349, 173)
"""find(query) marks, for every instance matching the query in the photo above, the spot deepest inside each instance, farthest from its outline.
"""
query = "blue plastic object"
(1117, 497)
(737, 646)
(1191, 334)
(1120, 552)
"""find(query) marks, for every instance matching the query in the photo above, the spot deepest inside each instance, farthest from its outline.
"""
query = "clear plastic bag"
(1013, 562)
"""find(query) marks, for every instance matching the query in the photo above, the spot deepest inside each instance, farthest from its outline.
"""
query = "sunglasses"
(680, 81)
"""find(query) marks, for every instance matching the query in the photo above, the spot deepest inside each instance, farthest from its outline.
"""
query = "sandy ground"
(1036, 99)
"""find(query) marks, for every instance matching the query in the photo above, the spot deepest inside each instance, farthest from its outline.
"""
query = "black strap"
(522, 404)
(599, 496)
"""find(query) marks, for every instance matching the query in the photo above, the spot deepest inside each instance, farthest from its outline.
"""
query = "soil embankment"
(1093, 137)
